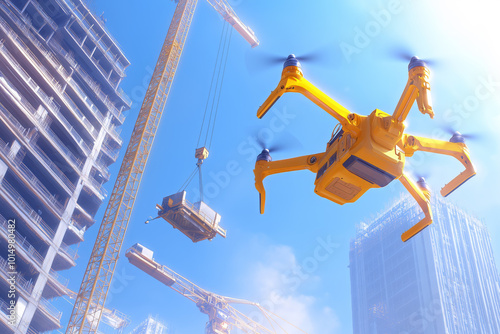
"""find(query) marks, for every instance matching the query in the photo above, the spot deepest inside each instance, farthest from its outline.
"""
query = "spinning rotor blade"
(404, 53)
(259, 61)
(284, 142)
(469, 136)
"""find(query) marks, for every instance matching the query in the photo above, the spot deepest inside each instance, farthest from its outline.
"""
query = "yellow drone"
(365, 151)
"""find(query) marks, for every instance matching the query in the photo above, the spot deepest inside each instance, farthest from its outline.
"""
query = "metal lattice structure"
(223, 317)
(99, 272)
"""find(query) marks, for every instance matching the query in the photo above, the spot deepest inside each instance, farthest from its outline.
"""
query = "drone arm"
(323, 101)
(417, 88)
(423, 201)
(457, 150)
(274, 97)
(293, 81)
(265, 168)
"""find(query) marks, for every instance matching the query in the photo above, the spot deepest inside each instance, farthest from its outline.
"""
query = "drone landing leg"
(266, 168)
(456, 150)
(423, 200)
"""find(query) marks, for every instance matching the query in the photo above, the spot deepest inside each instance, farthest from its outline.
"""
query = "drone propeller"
(281, 143)
(460, 137)
(403, 53)
(259, 61)
(421, 179)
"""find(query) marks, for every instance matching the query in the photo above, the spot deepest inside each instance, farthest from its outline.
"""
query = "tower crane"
(222, 316)
(100, 268)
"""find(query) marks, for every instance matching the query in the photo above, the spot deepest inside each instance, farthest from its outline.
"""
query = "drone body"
(368, 151)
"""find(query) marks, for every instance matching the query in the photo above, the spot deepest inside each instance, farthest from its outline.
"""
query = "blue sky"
(270, 258)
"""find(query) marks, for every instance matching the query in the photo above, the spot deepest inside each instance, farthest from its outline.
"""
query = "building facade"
(150, 326)
(60, 109)
(444, 280)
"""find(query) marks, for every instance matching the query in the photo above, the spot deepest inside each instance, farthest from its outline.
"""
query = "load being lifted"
(195, 220)
(198, 221)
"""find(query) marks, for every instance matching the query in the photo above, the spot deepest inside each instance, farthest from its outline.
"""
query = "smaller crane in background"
(113, 318)
(222, 316)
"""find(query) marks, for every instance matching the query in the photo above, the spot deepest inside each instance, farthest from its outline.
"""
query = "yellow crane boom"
(222, 316)
(100, 268)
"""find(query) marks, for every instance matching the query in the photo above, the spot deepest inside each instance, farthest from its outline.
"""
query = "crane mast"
(222, 316)
(100, 268)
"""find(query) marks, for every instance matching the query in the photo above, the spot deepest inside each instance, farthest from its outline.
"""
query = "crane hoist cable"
(213, 100)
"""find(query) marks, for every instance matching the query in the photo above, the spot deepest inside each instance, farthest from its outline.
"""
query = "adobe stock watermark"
(120, 281)
(293, 279)
(470, 106)
(11, 272)
(247, 150)
(363, 35)
(138, 92)
(421, 320)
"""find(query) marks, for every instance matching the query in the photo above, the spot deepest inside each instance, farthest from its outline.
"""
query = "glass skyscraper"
(444, 280)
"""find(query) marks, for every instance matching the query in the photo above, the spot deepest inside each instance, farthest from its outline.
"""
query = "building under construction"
(60, 107)
(443, 280)
(150, 326)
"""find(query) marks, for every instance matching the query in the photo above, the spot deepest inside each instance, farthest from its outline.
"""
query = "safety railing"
(29, 54)
(25, 208)
(50, 309)
(23, 27)
(13, 121)
(23, 131)
(110, 152)
(113, 59)
(97, 186)
(76, 228)
(35, 183)
(56, 276)
(84, 214)
(78, 163)
(33, 180)
(69, 58)
(90, 105)
(50, 78)
(54, 107)
(47, 19)
(101, 23)
(52, 166)
(70, 252)
(124, 96)
(97, 89)
(92, 84)
(21, 282)
(4, 308)
(114, 131)
(102, 169)
(22, 242)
